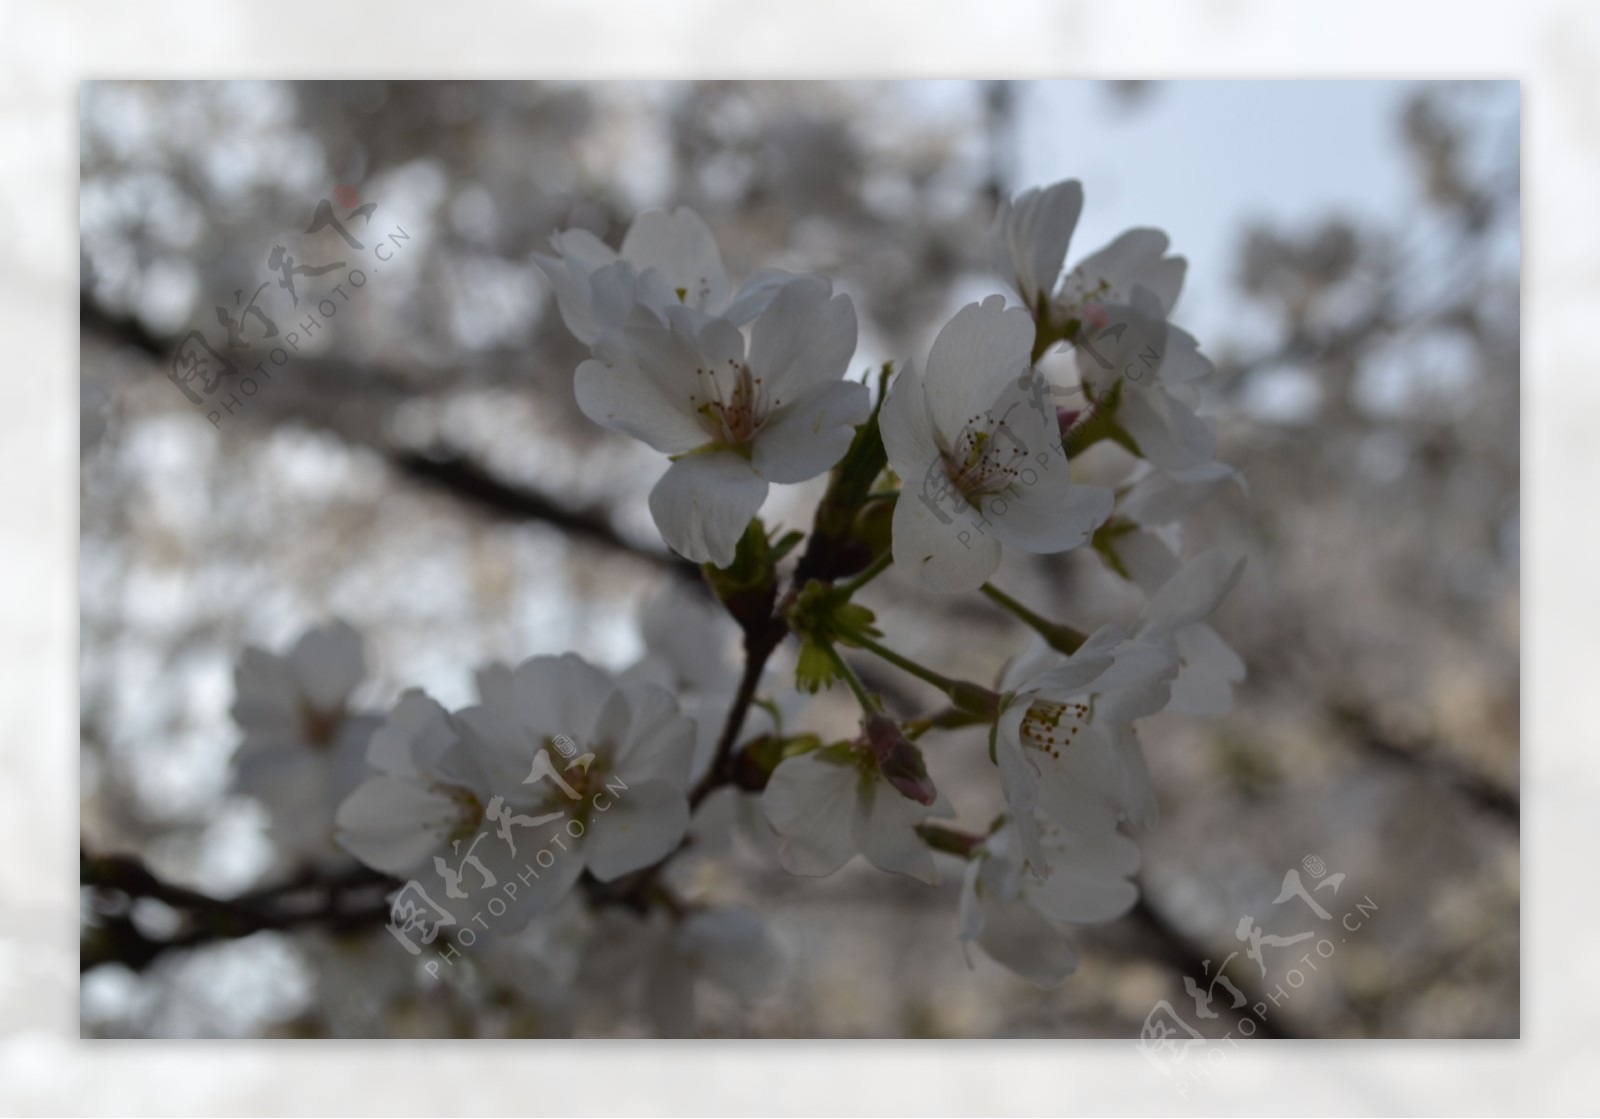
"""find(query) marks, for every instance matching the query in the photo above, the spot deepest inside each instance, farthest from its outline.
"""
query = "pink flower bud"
(899, 760)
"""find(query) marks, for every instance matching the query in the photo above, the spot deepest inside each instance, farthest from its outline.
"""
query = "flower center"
(1051, 727)
(571, 773)
(320, 727)
(1079, 299)
(987, 456)
(732, 405)
(469, 812)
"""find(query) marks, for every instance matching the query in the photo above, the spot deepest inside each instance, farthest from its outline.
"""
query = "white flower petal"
(558, 695)
(703, 504)
(413, 738)
(809, 434)
(811, 804)
(1208, 673)
(970, 910)
(1192, 594)
(1020, 938)
(1134, 258)
(1168, 432)
(1162, 497)
(803, 339)
(266, 692)
(1083, 789)
(1031, 234)
(1183, 361)
(394, 825)
(522, 879)
(624, 398)
(642, 824)
(1089, 877)
(885, 832)
(328, 664)
(1051, 514)
(579, 255)
(658, 742)
(492, 755)
(1019, 775)
(944, 549)
(1063, 678)
(756, 294)
(979, 354)
(907, 428)
(1145, 558)
(681, 247)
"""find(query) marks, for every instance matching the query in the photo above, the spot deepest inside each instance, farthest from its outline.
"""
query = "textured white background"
(45, 47)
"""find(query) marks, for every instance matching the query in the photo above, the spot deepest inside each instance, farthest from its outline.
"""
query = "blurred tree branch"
(440, 467)
(347, 901)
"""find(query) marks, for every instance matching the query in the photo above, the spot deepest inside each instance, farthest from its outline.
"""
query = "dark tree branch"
(1164, 942)
(1430, 762)
(465, 480)
(346, 902)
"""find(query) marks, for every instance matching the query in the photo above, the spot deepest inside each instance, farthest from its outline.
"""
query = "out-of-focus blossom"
(1015, 915)
(831, 804)
(303, 749)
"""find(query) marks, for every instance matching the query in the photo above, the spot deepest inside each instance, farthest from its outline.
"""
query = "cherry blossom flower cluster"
(577, 798)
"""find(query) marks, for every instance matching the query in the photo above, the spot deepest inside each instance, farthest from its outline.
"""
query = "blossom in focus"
(733, 421)
(1028, 245)
(666, 259)
(1015, 915)
(1065, 743)
(978, 451)
(303, 749)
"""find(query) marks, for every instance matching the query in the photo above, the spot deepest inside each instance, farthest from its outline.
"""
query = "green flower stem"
(1063, 639)
(879, 566)
(949, 840)
(869, 705)
(1099, 423)
(967, 696)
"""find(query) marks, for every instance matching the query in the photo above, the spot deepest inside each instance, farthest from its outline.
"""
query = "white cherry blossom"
(1015, 915)
(303, 748)
(978, 450)
(559, 758)
(831, 804)
(1065, 743)
(733, 420)
(666, 259)
(1028, 245)
(1132, 355)
(1208, 667)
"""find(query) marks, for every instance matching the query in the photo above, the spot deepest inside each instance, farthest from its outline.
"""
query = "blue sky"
(1200, 158)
